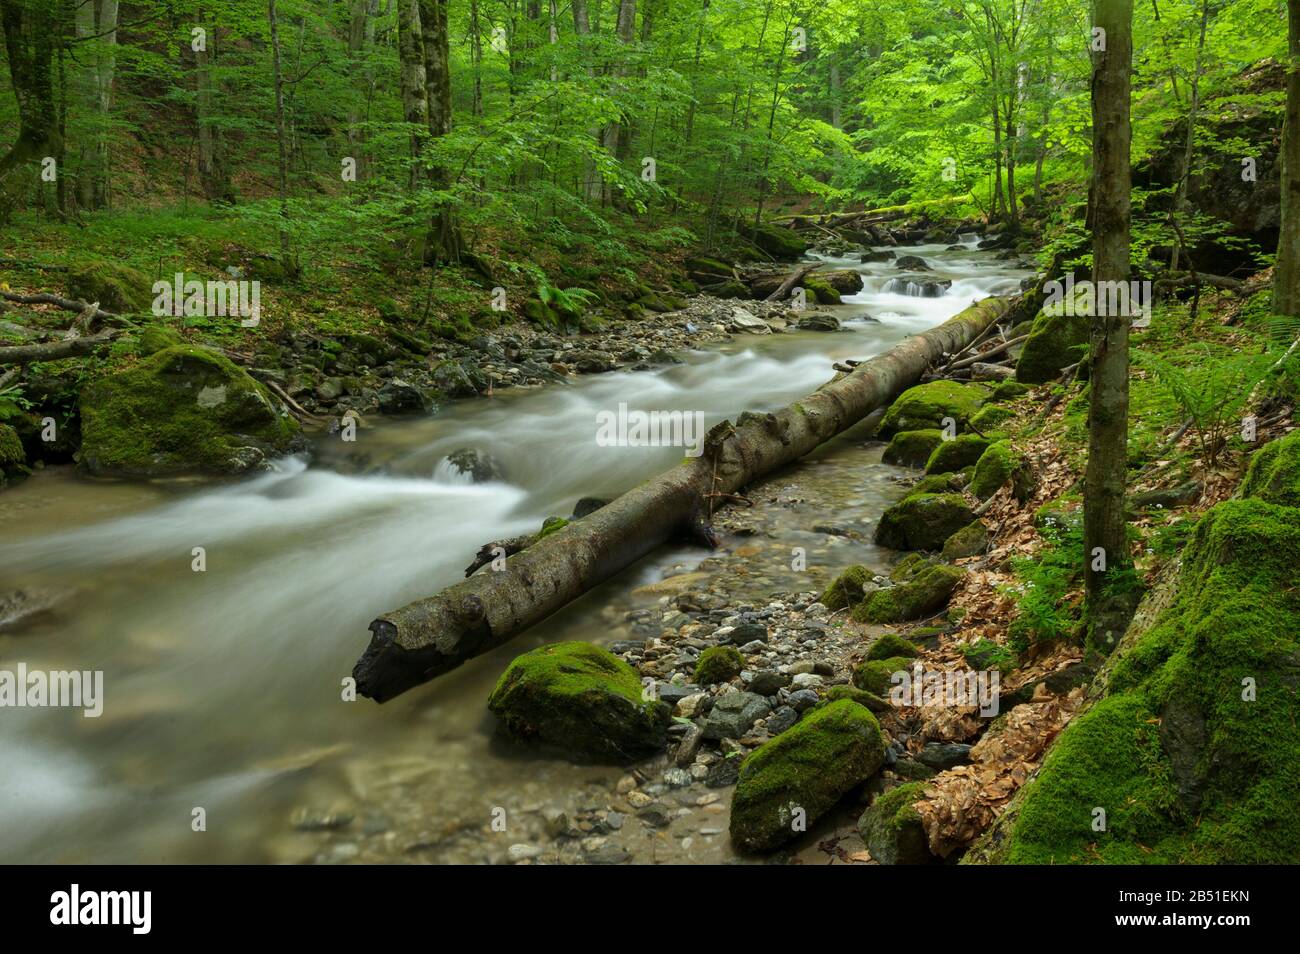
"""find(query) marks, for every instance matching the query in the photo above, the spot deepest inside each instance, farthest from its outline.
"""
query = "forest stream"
(225, 685)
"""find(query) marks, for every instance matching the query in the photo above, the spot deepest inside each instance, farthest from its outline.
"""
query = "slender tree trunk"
(1106, 551)
(410, 54)
(444, 243)
(1286, 276)
(614, 130)
(1189, 141)
(286, 257)
(214, 175)
(31, 33)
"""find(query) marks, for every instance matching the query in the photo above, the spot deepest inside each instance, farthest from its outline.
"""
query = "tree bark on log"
(432, 636)
(55, 350)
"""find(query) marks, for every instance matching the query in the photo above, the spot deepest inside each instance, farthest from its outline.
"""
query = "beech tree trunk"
(444, 241)
(1286, 277)
(612, 138)
(429, 637)
(1105, 542)
(31, 34)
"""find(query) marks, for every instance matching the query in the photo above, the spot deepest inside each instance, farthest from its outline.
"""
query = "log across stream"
(223, 689)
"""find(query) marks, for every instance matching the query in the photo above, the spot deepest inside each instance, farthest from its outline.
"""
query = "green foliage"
(1046, 591)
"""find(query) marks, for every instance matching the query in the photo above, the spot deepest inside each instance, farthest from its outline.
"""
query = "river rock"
(582, 699)
(923, 521)
(734, 714)
(478, 465)
(893, 831)
(808, 767)
(401, 397)
(181, 410)
(925, 406)
(768, 682)
(915, 262)
(742, 320)
(819, 321)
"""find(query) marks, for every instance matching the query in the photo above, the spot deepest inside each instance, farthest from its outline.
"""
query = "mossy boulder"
(890, 646)
(960, 452)
(988, 417)
(1274, 472)
(718, 664)
(846, 589)
(912, 448)
(923, 521)
(1009, 390)
(1194, 749)
(780, 242)
(802, 773)
(994, 468)
(580, 698)
(822, 291)
(157, 338)
(971, 540)
(13, 459)
(892, 829)
(924, 406)
(116, 287)
(908, 567)
(922, 596)
(1054, 342)
(854, 694)
(876, 675)
(181, 410)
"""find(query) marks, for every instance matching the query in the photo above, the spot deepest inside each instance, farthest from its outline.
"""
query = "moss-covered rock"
(13, 459)
(892, 829)
(157, 338)
(718, 664)
(923, 521)
(986, 654)
(920, 597)
(1194, 750)
(116, 287)
(876, 675)
(908, 567)
(960, 452)
(1274, 472)
(890, 646)
(993, 469)
(822, 292)
(988, 417)
(801, 774)
(582, 699)
(780, 242)
(971, 540)
(912, 448)
(925, 406)
(1009, 390)
(1055, 342)
(846, 589)
(181, 410)
(854, 694)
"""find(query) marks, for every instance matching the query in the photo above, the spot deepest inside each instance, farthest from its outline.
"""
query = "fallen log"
(55, 350)
(792, 280)
(432, 636)
(979, 371)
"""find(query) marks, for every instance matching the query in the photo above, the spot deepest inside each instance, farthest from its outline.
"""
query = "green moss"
(1009, 390)
(718, 664)
(116, 287)
(580, 698)
(989, 417)
(908, 567)
(822, 291)
(932, 484)
(986, 654)
(157, 338)
(919, 598)
(780, 242)
(993, 469)
(912, 448)
(846, 589)
(962, 451)
(1195, 750)
(875, 675)
(551, 525)
(854, 694)
(923, 521)
(1055, 342)
(892, 829)
(890, 646)
(971, 540)
(13, 459)
(808, 767)
(926, 405)
(181, 410)
(1274, 472)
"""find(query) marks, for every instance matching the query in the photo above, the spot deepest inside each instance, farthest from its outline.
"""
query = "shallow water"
(223, 687)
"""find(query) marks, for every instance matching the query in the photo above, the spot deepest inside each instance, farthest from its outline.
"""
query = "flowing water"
(223, 688)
